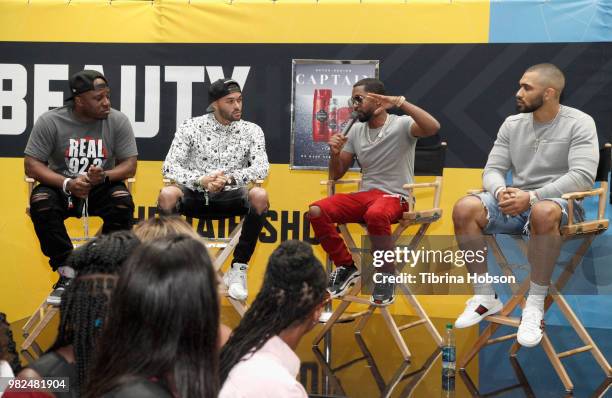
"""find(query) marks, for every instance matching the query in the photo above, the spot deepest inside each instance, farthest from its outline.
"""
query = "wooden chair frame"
(587, 231)
(424, 219)
(45, 312)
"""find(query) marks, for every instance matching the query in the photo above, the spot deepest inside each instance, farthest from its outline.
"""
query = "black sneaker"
(341, 279)
(55, 298)
(384, 292)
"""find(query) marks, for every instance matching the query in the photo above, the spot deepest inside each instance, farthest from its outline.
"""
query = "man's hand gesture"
(385, 102)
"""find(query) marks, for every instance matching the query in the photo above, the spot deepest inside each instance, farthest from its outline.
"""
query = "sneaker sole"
(529, 344)
(492, 311)
(54, 302)
(350, 282)
(382, 303)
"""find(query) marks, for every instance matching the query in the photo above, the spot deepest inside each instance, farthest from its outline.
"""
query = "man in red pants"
(384, 144)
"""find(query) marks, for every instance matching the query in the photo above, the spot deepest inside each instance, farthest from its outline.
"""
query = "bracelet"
(400, 101)
(65, 186)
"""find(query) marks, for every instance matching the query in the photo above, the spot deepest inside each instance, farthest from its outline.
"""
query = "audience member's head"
(8, 349)
(85, 301)
(157, 227)
(292, 296)
(162, 323)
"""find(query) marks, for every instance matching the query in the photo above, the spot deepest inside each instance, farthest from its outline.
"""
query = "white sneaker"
(530, 330)
(235, 280)
(477, 308)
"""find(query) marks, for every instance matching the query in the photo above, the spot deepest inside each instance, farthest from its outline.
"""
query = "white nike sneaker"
(530, 331)
(235, 280)
(477, 308)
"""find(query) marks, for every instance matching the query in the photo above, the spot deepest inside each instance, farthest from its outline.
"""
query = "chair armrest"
(581, 195)
(475, 191)
(333, 182)
(422, 185)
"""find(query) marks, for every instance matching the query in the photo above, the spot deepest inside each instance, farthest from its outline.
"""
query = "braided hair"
(294, 285)
(8, 349)
(84, 303)
(163, 322)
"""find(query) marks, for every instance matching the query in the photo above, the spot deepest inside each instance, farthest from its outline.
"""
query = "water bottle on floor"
(448, 363)
(448, 352)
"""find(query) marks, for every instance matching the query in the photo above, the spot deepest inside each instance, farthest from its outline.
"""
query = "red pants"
(375, 208)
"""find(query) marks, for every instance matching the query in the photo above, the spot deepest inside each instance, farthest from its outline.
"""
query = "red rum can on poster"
(320, 115)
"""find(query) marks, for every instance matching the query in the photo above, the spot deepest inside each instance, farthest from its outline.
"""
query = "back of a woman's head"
(104, 254)
(163, 320)
(8, 348)
(164, 225)
(85, 301)
(294, 286)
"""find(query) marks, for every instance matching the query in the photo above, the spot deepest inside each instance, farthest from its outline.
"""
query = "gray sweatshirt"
(552, 159)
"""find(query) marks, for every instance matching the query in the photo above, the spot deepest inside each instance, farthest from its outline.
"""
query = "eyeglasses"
(356, 100)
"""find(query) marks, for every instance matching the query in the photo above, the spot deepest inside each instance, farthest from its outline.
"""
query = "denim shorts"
(500, 223)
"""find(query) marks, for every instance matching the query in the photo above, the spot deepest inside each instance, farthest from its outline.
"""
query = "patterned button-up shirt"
(202, 146)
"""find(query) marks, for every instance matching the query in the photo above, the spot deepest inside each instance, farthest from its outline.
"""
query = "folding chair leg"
(422, 315)
(335, 316)
(582, 333)
(392, 326)
(240, 306)
(43, 316)
(364, 319)
(556, 363)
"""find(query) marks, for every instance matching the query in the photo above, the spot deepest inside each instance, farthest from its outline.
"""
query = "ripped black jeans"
(49, 207)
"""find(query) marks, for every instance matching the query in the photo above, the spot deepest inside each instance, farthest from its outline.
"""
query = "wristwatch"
(533, 198)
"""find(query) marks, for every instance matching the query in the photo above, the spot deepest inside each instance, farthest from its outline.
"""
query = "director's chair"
(429, 161)
(587, 231)
(221, 248)
(39, 320)
(386, 388)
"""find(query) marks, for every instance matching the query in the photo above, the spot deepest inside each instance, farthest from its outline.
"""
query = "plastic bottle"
(448, 363)
(448, 352)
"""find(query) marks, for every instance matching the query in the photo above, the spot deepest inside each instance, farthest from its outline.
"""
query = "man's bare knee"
(545, 217)
(258, 198)
(314, 211)
(168, 196)
(467, 210)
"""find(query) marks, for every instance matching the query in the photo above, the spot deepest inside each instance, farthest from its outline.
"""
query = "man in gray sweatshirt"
(550, 149)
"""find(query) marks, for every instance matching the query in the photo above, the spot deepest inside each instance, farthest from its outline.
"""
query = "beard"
(364, 117)
(229, 116)
(524, 108)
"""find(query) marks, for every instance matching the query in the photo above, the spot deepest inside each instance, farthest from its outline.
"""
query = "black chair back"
(429, 159)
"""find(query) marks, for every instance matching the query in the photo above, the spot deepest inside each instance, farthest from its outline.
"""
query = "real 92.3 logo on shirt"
(82, 153)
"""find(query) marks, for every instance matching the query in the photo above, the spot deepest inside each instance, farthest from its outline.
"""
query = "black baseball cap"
(83, 81)
(220, 88)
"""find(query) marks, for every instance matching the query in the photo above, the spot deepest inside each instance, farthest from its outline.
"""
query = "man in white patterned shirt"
(212, 160)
